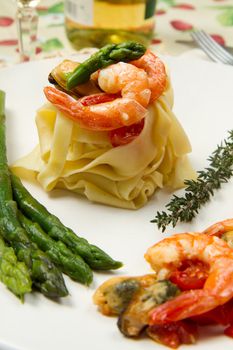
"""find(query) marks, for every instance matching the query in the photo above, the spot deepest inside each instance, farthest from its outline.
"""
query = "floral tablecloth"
(174, 21)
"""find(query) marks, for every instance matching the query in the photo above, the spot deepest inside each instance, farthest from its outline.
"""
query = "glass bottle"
(95, 23)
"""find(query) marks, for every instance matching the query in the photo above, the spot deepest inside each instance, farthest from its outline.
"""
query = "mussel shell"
(60, 74)
(135, 317)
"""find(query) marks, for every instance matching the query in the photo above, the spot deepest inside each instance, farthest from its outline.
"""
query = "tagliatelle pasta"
(85, 162)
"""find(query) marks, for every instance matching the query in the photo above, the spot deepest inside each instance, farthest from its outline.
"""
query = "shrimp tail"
(59, 99)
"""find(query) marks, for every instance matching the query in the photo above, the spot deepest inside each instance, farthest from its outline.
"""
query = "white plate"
(203, 103)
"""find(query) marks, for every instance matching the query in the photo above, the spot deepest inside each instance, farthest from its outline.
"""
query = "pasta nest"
(85, 162)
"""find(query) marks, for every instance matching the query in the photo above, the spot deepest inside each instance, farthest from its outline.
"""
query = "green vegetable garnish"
(15, 275)
(96, 258)
(199, 191)
(45, 276)
(106, 56)
(71, 264)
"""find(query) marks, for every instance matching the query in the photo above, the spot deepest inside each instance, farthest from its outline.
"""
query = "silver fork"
(212, 49)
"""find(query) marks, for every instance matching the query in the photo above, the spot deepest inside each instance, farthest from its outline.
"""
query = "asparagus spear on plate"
(109, 54)
(96, 258)
(45, 276)
(15, 275)
(71, 264)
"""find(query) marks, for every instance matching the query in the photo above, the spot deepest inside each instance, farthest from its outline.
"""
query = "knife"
(192, 44)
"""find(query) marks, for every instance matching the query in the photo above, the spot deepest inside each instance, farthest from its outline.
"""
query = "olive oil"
(95, 23)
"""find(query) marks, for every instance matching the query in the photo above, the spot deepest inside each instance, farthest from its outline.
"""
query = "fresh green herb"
(199, 191)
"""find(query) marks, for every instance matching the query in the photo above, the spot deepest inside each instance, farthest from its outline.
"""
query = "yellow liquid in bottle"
(95, 23)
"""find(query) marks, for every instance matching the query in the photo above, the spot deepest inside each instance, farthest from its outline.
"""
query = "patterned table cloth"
(174, 21)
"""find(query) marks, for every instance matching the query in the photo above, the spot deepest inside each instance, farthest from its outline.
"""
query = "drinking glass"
(27, 23)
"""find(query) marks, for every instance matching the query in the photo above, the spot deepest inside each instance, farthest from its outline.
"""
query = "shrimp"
(103, 116)
(222, 229)
(168, 255)
(127, 79)
(138, 83)
(219, 228)
(156, 73)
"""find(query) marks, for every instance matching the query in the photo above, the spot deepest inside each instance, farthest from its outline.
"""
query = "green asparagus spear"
(96, 258)
(71, 264)
(109, 54)
(45, 276)
(15, 275)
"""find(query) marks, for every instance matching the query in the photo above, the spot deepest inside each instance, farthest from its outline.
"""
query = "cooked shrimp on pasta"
(114, 138)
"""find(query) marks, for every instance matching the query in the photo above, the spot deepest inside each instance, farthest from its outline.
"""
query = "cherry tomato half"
(229, 331)
(97, 98)
(191, 275)
(120, 136)
(126, 134)
(223, 314)
(174, 334)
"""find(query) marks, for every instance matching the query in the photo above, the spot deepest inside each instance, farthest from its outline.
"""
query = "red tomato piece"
(222, 314)
(97, 98)
(126, 134)
(191, 275)
(120, 136)
(229, 331)
(174, 334)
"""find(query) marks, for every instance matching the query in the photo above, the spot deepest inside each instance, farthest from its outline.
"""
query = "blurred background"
(66, 26)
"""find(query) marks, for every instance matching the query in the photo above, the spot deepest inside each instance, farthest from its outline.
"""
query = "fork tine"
(209, 52)
(217, 46)
(216, 49)
(211, 48)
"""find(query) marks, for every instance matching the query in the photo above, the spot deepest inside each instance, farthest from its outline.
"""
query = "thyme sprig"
(199, 191)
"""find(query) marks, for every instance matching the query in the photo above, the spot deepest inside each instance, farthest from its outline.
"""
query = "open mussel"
(59, 76)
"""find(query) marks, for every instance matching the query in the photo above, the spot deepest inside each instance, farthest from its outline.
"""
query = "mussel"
(135, 317)
(132, 299)
(60, 74)
(113, 296)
